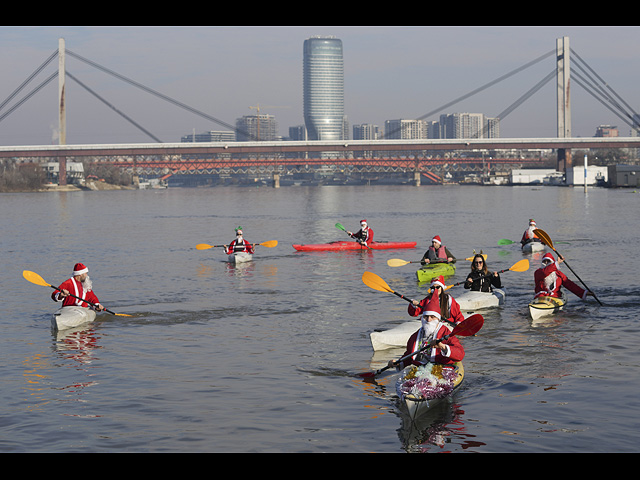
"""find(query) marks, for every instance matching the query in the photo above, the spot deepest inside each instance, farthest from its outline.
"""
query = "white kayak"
(240, 257)
(70, 317)
(395, 337)
(470, 301)
(532, 247)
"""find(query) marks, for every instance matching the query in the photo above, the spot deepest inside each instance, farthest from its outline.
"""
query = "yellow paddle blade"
(203, 246)
(34, 278)
(397, 262)
(269, 243)
(521, 266)
(372, 280)
(544, 237)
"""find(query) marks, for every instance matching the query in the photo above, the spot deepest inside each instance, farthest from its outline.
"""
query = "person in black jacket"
(481, 279)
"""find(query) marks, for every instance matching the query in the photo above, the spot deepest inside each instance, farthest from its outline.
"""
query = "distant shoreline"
(89, 186)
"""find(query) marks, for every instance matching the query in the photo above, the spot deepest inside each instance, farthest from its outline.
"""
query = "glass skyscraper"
(323, 88)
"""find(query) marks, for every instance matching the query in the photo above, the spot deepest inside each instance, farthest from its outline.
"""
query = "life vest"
(440, 253)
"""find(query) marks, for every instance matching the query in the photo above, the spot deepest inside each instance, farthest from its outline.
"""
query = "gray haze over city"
(390, 73)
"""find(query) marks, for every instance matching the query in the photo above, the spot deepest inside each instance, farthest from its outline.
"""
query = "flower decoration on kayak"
(428, 381)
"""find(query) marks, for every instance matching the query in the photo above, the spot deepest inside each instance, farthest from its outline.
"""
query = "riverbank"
(89, 185)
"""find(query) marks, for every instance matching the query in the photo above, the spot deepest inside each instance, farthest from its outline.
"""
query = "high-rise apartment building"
(366, 131)
(469, 125)
(323, 89)
(210, 136)
(405, 129)
(254, 128)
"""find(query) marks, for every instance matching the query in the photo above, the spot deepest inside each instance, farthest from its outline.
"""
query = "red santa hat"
(532, 221)
(363, 221)
(548, 258)
(433, 306)
(79, 269)
(437, 239)
(438, 282)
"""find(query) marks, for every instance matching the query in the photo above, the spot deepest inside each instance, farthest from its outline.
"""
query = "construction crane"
(258, 107)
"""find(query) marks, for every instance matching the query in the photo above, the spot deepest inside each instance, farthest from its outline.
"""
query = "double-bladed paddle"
(521, 266)
(546, 239)
(374, 281)
(467, 328)
(268, 244)
(398, 262)
(340, 227)
(506, 241)
(38, 280)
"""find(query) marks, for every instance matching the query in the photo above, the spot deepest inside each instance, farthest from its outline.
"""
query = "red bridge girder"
(408, 163)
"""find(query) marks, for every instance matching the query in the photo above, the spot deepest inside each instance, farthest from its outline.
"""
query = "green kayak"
(432, 270)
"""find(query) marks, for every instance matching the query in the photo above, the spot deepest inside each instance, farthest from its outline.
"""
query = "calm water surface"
(261, 357)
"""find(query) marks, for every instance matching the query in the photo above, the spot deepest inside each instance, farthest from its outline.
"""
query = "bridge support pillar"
(563, 100)
(564, 160)
(416, 178)
(276, 180)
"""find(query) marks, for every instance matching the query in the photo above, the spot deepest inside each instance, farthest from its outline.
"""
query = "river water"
(262, 357)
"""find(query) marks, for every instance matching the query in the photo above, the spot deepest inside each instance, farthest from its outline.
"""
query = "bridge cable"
(158, 94)
(605, 84)
(484, 87)
(27, 97)
(38, 70)
(598, 92)
(112, 107)
(577, 78)
(519, 101)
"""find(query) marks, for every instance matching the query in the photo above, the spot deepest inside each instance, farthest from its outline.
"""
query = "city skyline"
(390, 73)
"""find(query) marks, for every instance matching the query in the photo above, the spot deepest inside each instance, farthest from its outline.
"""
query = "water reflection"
(77, 348)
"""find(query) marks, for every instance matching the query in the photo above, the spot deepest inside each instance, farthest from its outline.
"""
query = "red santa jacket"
(434, 355)
(549, 279)
(365, 236)
(74, 287)
(239, 246)
(455, 315)
(529, 236)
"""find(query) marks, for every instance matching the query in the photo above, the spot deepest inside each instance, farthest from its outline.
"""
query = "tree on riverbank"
(20, 177)
(108, 173)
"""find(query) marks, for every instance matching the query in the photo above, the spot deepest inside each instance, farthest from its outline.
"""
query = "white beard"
(429, 328)
(550, 280)
(87, 285)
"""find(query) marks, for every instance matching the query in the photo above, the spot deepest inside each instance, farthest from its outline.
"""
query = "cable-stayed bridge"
(386, 155)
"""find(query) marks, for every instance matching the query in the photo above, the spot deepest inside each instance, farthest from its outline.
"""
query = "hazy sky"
(390, 73)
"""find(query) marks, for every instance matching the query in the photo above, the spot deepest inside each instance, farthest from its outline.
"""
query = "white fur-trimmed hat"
(79, 269)
(438, 282)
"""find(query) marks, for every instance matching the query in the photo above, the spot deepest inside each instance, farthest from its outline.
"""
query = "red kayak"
(350, 245)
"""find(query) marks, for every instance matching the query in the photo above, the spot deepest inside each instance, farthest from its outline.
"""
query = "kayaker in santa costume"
(529, 234)
(549, 280)
(437, 253)
(364, 235)
(79, 285)
(445, 352)
(238, 244)
(449, 308)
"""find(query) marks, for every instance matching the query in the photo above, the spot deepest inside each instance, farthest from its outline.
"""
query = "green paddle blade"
(504, 241)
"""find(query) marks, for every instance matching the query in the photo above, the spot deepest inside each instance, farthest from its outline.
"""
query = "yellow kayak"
(543, 306)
